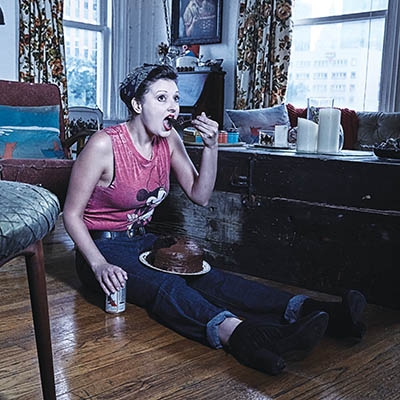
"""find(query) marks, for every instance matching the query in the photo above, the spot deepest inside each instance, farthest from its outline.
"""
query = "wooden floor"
(100, 356)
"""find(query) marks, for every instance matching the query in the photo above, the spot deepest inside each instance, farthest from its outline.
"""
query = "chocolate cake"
(177, 254)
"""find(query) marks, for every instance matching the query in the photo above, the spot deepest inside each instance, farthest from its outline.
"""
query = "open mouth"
(169, 122)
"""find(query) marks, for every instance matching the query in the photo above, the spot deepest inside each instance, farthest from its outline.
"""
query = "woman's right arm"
(94, 166)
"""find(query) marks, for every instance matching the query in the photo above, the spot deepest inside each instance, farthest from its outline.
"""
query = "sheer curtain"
(119, 61)
(41, 45)
(263, 52)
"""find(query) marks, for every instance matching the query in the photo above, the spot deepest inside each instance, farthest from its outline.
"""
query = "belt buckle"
(135, 231)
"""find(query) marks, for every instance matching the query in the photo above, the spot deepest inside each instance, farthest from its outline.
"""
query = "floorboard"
(130, 356)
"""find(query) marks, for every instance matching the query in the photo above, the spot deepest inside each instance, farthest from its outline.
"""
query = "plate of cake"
(176, 255)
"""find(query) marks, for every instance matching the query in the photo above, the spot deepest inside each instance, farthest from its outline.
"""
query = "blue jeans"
(193, 306)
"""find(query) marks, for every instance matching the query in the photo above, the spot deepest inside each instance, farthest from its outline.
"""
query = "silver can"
(115, 302)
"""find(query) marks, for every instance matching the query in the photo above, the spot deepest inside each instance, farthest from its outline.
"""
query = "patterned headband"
(132, 82)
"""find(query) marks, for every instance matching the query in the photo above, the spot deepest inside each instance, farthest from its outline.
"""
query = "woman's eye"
(177, 99)
(161, 97)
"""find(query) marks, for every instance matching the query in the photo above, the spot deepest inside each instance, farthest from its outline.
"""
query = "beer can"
(222, 137)
(115, 302)
(233, 136)
(198, 138)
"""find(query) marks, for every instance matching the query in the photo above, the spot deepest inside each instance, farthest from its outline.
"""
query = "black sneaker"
(305, 334)
(264, 346)
(345, 317)
(248, 353)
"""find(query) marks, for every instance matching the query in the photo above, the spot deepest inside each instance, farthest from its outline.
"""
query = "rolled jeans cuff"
(212, 328)
(293, 308)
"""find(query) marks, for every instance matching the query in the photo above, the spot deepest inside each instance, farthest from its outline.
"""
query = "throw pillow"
(30, 132)
(248, 122)
(295, 113)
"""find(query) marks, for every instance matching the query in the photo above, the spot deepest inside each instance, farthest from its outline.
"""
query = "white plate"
(143, 260)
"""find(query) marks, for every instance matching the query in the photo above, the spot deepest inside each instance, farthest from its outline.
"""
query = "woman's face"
(159, 104)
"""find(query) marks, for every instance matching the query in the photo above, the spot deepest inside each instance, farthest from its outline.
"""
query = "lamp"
(2, 22)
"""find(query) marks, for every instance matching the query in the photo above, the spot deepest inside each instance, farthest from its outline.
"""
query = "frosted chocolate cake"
(177, 254)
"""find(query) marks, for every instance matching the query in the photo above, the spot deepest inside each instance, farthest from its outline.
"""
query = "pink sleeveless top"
(139, 185)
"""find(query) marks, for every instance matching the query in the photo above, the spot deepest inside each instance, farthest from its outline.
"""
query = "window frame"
(389, 100)
(387, 97)
(340, 18)
(104, 28)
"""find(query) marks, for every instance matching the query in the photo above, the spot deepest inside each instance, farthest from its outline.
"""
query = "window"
(86, 42)
(344, 41)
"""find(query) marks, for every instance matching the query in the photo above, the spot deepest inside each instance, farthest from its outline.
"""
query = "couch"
(376, 127)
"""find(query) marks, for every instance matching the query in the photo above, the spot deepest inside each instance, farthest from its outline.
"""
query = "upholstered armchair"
(33, 146)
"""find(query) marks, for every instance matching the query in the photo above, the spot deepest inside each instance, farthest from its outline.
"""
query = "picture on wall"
(196, 21)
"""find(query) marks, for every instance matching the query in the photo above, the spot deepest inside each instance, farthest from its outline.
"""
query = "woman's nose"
(173, 106)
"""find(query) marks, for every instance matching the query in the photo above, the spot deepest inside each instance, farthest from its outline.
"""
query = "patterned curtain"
(41, 45)
(263, 52)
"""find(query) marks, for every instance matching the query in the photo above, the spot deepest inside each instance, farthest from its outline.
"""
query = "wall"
(227, 48)
(147, 29)
(8, 40)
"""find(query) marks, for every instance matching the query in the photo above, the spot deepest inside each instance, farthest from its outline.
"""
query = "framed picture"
(196, 21)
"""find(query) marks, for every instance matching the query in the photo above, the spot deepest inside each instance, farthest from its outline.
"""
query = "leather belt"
(136, 231)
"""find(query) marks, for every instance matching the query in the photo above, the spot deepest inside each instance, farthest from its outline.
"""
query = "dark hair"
(137, 83)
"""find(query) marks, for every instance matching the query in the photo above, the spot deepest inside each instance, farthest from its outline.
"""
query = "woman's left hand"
(207, 128)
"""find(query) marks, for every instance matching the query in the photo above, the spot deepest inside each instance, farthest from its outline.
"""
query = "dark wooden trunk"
(320, 222)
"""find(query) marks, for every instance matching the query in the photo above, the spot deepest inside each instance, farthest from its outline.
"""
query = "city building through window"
(337, 45)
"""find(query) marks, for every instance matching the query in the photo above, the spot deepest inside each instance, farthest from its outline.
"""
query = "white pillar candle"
(281, 136)
(328, 130)
(307, 136)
